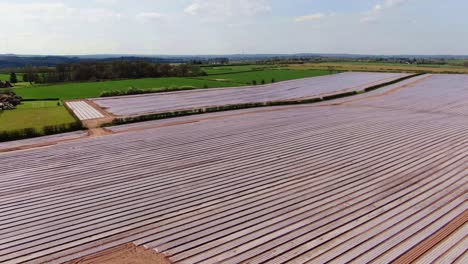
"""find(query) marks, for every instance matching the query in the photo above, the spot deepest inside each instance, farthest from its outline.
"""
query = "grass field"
(34, 115)
(380, 67)
(246, 78)
(6, 77)
(94, 89)
(213, 70)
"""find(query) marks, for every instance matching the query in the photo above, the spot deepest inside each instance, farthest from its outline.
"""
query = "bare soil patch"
(127, 254)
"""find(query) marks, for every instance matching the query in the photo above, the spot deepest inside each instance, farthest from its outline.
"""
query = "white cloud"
(193, 9)
(311, 17)
(379, 9)
(228, 8)
(50, 11)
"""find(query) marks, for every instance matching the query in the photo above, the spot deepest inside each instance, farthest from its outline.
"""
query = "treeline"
(116, 70)
(25, 133)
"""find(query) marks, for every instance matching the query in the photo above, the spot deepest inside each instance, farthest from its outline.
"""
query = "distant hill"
(16, 61)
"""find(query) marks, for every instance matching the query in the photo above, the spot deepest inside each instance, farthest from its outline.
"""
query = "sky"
(195, 27)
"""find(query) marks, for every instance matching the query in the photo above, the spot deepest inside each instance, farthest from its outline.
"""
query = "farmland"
(94, 89)
(223, 69)
(295, 89)
(219, 76)
(68, 91)
(380, 67)
(379, 177)
(276, 75)
(34, 115)
(6, 77)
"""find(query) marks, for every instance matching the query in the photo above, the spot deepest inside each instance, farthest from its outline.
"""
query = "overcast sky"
(233, 26)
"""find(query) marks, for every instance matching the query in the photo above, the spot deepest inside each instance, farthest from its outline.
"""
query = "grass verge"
(36, 118)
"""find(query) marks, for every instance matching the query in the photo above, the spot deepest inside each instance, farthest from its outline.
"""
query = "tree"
(13, 78)
(254, 82)
(263, 81)
(272, 80)
(28, 75)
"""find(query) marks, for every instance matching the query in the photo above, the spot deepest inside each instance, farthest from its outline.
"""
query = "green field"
(68, 91)
(247, 78)
(34, 115)
(6, 77)
(212, 70)
(94, 89)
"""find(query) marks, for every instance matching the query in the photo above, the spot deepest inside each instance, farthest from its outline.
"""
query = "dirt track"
(127, 254)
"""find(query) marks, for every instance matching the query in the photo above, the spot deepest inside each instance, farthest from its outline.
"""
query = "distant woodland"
(116, 70)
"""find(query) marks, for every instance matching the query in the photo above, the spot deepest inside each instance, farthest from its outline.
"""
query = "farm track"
(379, 179)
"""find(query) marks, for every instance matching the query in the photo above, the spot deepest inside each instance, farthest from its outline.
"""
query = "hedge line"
(32, 132)
(165, 115)
(378, 86)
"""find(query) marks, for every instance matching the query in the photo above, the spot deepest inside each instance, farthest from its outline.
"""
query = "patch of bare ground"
(98, 132)
(126, 254)
(96, 123)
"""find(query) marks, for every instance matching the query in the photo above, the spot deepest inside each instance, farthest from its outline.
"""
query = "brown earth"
(98, 132)
(126, 254)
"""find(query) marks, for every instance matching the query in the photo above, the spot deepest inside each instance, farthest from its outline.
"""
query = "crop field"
(376, 67)
(267, 76)
(94, 89)
(34, 115)
(226, 69)
(69, 91)
(380, 177)
(295, 89)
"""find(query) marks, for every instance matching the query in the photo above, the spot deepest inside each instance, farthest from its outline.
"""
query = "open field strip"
(289, 90)
(367, 180)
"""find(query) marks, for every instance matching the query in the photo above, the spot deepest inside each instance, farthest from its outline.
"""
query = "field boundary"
(222, 108)
(47, 130)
